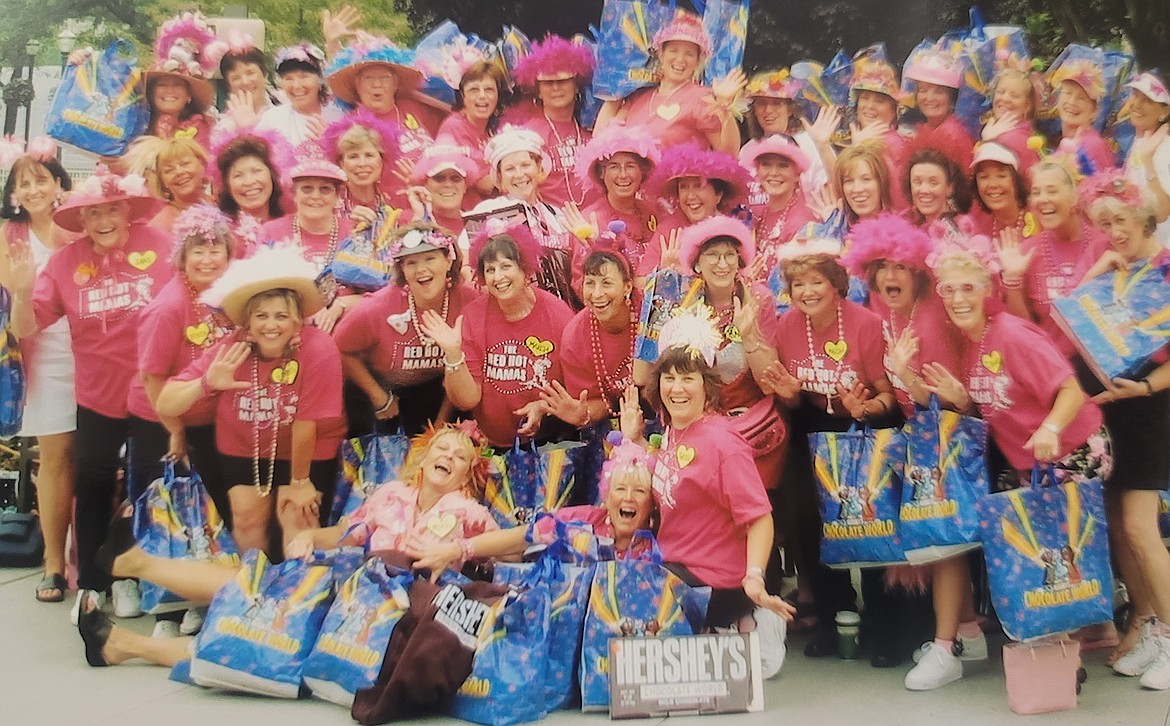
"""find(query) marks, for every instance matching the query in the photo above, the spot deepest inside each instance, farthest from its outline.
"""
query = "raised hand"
(828, 120)
(420, 202)
(727, 88)
(22, 269)
(902, 352)
(1012, 258)
(995, 128)
(776, 379)
(563, 405)
(531, 415)
(853, 399)
(221, 374)
(746, 317)
(242, 109)
(671, 258)
(336, 27)
(404, 169)
(860, 134)
(630, 414)
(447, 337)
(824, 202)
(942, 383)
(1145, 145)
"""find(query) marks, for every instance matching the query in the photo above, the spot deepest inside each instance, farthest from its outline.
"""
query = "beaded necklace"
(423, 339)
(560, 143)
(333, 233)
(996, 227)
(264, 489)
(764, 232)
(1048, 254)
(606, 380)
(808, 331)
(207, 330)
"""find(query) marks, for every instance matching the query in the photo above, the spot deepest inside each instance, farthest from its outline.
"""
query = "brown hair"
(242, 148)
(682, 359)
(871, 154)
(478, 71)
(960, 191)
(824, 264)
(454, 275)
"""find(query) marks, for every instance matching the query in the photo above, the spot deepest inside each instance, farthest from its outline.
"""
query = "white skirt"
(50, 400)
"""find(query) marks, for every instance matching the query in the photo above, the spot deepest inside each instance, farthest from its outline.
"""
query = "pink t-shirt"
(856, 356)
(1016, 139)
(950, 137)
(1089, 142)
(562, 139)
(936, 339)
(653, 254)
(1013, 376)
(392, 520)
(456, 130)
(420, 122)
(583, 372)
(1056, 268)
(381, 333)
(103, 296)
(774, 228)
(683, 116)
(511, 361)
(309, 389)
(315, 247)
(639, 235)
(897, 154)
(174, 331)
(709, 491)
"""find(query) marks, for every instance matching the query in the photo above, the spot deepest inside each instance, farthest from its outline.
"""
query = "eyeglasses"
(967, 289)
(714, 258)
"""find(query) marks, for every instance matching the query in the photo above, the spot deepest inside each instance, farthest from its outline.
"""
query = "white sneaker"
(127, 599)
(1142, 655)
(165, 629)
(936, 669)
(773, 632)
(99, 599)
(974, 649)
(192, 621)
(1157, 676)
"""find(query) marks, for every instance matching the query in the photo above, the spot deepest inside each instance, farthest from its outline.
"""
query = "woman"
(100, 284)
(1054, 261)
(863, 179)
(274, 363)
(678, 109)
(178, 93)
(504, 348)
(557, 72)
(443, 477)
(1014, 378)
(776, 110)
(440, 181)
(875, 95)
(1000, 192)
(482, 94)
(823, 359)
(779, 166)
(1137, 414)
(307, 112)
(244, 70)
(175, 170)
(249, 174)
(697, 183)
(936, 77)
(1014, 100)
(384, 350)
(936, 188)
(1148, 163)
(518, 166)
(1080, 88)
(364, 146)
(615, 166)
(36, 182)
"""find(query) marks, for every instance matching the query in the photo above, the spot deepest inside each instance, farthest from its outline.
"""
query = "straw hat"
(269, 268)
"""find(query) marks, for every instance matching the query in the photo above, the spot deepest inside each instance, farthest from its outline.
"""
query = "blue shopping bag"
(633, 598)
(624, 44)
(527, 480)
(262, 625)
(11, 372)
(1047, 554)
(98, 106)
(506, 685)
(945, 475)
(860, 491)
(568, 586)
(349, 651)
(1118, 320)
(367, 463)
(363, 260)
(726, 22)
(176, 519)
(664, 291)
(1164, 514)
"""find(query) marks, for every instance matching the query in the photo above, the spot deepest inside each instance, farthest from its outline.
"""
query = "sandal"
(54, 583)
(94, 627)
(119, 539)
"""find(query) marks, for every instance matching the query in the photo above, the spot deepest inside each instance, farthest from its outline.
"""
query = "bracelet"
(1149, 386)
(753, 349)
(1011, 283)
(301, 481)
(452, 367)
(584, 418)
(1051, 427)
(754, 571)
(389, 402)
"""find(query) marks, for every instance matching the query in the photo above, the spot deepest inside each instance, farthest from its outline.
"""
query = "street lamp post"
(31, 48)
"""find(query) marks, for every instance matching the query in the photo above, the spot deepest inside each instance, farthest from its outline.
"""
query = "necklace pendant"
(829, 405)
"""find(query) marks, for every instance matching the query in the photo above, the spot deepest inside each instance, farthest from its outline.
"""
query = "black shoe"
(94, 627)
(119, 539)
(886, 654)
(822, 644)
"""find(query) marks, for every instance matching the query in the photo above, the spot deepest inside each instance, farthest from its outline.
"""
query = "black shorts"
(237, 471)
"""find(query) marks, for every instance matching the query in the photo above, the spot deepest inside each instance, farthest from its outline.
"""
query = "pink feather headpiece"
(614, 139)
(693, 237)
(692, 160)
(962, 240)
(1111, 184)
(182, 42)
(518, 233)
(887, 237)
(389, 131)
(625, 456)
(555, 59)
(280, 153)
(1082, 72)
(685, 26)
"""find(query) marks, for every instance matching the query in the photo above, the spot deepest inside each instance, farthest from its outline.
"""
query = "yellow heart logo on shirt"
(186, 133)
(1030, 227)
(142, 260)
(198, 334)
(287, 374)
(652, 223)
(993, 361)
(411, 122)
(836, 349)
(668, 111)
(685, 455)
(441, 525)
(537, 346)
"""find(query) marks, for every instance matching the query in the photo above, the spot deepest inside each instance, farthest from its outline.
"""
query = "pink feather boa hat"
(886, 237)
(280, 153)
(614, 139)
(623, 457)
(518, 233)
(389, 131)
(685, 26)
(555, 59)
(692, 160)
(691, 238)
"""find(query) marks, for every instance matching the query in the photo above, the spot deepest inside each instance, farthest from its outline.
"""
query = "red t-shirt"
(709, 491)
(681, 117)
(315, 247)
(420, 122)
(775, 228)
(856, 356)
(511, 361)
(581, 366)
(936, 339)
(1013, 376)
(562, 139)
(381, 333)
(103, 296)
(174, 331)
(1056, 268)
(312, 394)
(897, 154)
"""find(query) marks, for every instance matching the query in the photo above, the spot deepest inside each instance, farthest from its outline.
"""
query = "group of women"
(520, 242)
